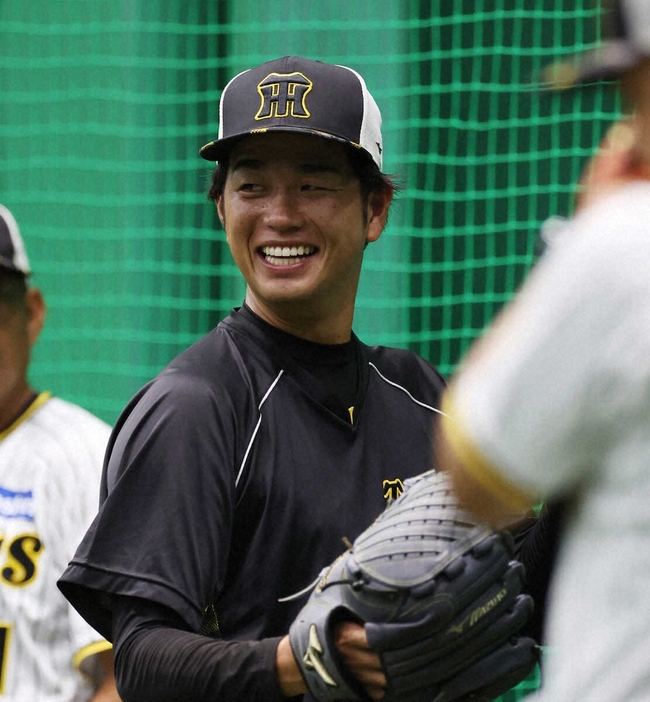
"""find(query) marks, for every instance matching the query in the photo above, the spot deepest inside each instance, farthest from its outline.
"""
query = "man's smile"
(286, 255)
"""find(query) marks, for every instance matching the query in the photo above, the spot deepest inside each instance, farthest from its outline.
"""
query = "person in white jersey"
(554, 400)
(51, 454)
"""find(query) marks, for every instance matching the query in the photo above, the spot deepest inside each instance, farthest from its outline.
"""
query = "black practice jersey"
(231, 480)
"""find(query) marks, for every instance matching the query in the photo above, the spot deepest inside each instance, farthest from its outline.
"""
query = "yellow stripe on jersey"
(5, 637)
(477, 465)
(38, 402)
(91, 650)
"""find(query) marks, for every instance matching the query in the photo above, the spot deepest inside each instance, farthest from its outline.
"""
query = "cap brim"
(607, 62)
(217, 150)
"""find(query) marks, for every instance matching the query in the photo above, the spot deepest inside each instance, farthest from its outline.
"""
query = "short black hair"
(13, 288)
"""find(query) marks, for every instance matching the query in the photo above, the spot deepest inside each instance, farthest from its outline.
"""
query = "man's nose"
(284, 212)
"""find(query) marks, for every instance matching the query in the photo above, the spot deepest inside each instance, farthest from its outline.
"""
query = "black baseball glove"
(440, 598)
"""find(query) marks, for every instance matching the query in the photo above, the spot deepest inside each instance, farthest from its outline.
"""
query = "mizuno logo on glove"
(312, 657)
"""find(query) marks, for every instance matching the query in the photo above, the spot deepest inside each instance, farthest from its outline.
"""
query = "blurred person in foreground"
(51, 455)
(554, 401)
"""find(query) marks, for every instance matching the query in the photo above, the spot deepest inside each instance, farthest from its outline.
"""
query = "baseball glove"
(440, 598)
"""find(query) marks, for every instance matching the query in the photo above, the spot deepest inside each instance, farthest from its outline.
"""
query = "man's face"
(14, 352)
(294, 220)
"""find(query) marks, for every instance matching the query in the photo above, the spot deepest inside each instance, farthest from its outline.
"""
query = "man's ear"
(36, 311)
(378, 206)
(220, 210)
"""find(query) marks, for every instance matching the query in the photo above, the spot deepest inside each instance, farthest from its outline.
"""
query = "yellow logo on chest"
(392, 489)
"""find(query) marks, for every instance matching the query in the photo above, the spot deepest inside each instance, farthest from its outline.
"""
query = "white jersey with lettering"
(50, 466)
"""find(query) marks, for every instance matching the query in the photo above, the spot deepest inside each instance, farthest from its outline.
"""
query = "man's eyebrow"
(307, 168)
(311, 168)
(254, 163)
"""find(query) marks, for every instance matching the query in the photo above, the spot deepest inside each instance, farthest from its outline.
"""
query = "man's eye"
(249, 187)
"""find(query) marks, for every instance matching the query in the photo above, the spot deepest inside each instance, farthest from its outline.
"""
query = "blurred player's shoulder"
(633, 197)
(611, 232)
(55, 445)
(53, 428)
(61, 416)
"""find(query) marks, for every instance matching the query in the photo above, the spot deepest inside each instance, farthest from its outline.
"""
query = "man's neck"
(319, 328)
(14, 404)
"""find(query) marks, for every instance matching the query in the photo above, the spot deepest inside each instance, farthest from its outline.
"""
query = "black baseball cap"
(293, 94)
(625, 41)
(13, 256)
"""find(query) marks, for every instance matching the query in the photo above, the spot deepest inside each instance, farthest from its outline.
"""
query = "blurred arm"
(480, 487)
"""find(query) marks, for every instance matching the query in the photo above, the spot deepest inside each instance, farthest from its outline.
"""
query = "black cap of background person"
(294, 94)
(625, 40)
(13, 256)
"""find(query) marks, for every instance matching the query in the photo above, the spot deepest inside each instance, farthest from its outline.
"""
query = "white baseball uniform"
(50, 466)
(559, 403)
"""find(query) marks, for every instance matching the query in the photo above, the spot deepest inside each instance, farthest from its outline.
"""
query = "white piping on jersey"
(274, 383)
(403, 389)
(257, 426)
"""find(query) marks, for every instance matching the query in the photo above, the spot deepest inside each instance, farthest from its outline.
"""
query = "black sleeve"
(157, 658)
(536, 545)
(170, 463)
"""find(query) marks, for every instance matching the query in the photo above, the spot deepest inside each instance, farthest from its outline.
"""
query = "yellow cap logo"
(283, 95)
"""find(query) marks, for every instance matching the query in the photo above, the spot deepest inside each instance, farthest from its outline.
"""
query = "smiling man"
(240, 472)
(297, 229)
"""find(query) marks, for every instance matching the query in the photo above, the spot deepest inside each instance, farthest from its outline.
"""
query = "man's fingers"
(351, 642)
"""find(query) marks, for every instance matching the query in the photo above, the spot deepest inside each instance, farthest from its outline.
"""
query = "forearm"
(106, 690)
(157, 661)
(289, 678)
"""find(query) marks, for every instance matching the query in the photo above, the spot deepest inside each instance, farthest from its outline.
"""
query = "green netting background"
(104, 106)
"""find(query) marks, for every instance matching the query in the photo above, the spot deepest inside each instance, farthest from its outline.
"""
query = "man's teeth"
(280, 255)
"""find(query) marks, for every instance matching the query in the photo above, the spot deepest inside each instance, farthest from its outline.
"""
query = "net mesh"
(105, 106)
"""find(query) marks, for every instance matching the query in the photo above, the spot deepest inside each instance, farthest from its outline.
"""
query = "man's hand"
(352, 644)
